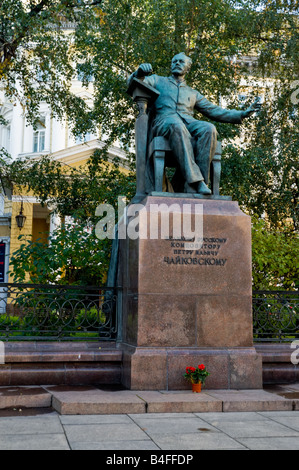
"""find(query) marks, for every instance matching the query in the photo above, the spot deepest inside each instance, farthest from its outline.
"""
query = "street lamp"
(20, 218)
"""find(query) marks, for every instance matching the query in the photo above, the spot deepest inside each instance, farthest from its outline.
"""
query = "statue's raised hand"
(144, 70)
(255, 107)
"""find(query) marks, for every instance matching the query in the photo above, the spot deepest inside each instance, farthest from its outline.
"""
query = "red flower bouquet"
(197, 374)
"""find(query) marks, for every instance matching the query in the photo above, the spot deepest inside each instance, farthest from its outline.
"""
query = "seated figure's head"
(180, 64)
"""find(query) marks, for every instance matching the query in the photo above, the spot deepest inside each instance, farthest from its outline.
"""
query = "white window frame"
(39, 137)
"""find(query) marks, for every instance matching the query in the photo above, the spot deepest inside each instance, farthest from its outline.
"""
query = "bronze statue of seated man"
(192, 142)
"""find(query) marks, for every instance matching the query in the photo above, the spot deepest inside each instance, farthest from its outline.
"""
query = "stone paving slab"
(237, 430)
(285, 420)
(93, 433)
(40, 432)
(273, 414)
(258, 428)
(251, 400)
(91, 400)
(203, 441)
(146, 445)
(179, 402)
(183, 431)
(28, 397)
(271, 443)
(44, 424)
(34, 442)
(95, 419)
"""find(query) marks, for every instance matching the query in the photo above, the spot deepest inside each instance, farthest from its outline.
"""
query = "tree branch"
(39, 7)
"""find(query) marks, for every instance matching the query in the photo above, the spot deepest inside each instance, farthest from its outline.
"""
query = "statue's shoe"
(203, 189)
(189, 189)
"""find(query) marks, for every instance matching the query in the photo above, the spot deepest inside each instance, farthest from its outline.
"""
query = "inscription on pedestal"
(202, 252)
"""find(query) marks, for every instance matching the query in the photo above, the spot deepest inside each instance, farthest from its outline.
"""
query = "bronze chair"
(158, 150)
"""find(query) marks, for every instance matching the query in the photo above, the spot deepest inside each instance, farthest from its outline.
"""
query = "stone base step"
(39, 363)
(277, 364)
(17, 398)
(90, 400)
(96, 363)
(97, 401)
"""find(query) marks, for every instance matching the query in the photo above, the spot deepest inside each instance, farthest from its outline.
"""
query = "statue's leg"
(180, 142)
(204, 144)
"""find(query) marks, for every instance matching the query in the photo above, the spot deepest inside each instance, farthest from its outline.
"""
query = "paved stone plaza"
(270, 430)
(73, 418)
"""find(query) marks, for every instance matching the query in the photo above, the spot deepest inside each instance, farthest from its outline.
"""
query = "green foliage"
(72, 191)
(109, 42)
(111, 38)
(10, 322)
(49, 324)
(217, 35)
(38, 53)
(74, 255)
(274, 258)
(262, 174)
(281, 323)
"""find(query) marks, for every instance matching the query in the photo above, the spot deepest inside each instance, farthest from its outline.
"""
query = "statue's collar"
(180, 83)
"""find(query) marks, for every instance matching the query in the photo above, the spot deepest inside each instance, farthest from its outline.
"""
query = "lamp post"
(20, 218)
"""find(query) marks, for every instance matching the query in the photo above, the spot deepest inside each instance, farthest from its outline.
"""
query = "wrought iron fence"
(275, 316)
(48, 312)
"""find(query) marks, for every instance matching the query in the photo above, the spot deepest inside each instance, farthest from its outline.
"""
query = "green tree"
(74, 255)
(71, 191)
(111, 39)
(217, 34)
(274, 257)
(38, 52)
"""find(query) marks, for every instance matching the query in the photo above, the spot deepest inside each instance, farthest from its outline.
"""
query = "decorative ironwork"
(58, 312)
(62, 313)
(275, 316)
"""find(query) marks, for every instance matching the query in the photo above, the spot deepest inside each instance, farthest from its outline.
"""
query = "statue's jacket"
(182, 100)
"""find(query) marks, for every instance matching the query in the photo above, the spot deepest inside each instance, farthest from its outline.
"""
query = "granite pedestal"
(187, 300)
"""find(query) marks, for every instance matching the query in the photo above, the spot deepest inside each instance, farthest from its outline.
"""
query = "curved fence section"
(275, 316)
(48, 312)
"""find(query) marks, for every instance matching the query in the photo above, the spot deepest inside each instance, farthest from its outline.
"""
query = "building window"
(39, 137)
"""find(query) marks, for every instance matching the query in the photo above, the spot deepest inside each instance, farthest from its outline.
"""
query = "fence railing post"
(119, 315)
